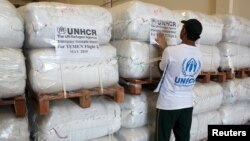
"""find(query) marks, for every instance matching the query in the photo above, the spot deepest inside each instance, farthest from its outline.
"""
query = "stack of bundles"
(234, 56)
(137, 116)
(235, 45)
(236, 30)
(67, 121)
(12, 66)
(139, 134)
(207, 97)
(236, 90)
(237, 113)
(131, 26)
(47, 72)
(12, 128)
(200, 123)
(211, 35)
(138, 111)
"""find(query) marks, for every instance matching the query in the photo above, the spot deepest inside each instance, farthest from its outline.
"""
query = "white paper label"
(164, 26)
(76, 42)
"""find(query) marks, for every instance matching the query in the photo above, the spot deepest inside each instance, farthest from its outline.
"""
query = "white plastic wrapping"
(11, 127)
(137, 111)
(67, 121)
(131, 20)
(137, 59)
(236, 30)
(234, 56)
(11, 26)
(236, 90)
(212, 27)
(12, 73)
(211, 58)
(237, 113)
(137, 134)
(42, 18)
(106, 138)
(200, 122)
(46, 71)
(207, 97)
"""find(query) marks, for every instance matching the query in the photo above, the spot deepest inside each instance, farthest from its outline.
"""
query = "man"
(181, 65)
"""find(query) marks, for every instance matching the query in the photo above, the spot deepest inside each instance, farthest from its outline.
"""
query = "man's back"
(183, 66)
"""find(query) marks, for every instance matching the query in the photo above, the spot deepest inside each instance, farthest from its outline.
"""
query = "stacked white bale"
(211, 35)
(131, 35)
(12, 73)
(12, 128)
(138, 134)
(207, 97)
(236, 30)
(48, 74)
(237, 113)
(136, 59)
(138, 111)
(132, 20)
(232, 56)
(12, 66)
(237, 90)
(41, 20)
(12, 31)
(67, 121)
(212, 27)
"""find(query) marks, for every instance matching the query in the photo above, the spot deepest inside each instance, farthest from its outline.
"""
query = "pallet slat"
(19, 104)
(206, 77)
(84, 97)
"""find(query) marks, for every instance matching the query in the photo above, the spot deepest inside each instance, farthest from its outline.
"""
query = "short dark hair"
(193, 28)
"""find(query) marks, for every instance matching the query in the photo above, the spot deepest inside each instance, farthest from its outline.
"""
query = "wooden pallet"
(240, 73)
(84, 96)
(206, 77)
(134, 86)
(18, 102)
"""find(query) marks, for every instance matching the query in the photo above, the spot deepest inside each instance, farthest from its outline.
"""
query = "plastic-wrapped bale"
(12, 30)
(12, 73)
(200, 123)
(237, 113)
(12, 128)
(69, 122)
(232, 56)
(106, 138)
(137, 134)
(48, 74)
(211, 58)
(236, 30)
(137, 111)
(42, 18)
(207, 97)
(236, 90)
(131, 20)
(137, 59)
(212, 27)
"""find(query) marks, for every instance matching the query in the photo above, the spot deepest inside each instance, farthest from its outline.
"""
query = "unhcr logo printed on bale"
(190, 68)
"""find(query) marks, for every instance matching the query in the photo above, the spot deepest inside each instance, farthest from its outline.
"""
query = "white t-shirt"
(181, 65)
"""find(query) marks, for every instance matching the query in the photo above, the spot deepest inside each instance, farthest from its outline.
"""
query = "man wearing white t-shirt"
(181, 65)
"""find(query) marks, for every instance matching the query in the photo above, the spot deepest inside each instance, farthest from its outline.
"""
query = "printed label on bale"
(164, 26)
(76, 42)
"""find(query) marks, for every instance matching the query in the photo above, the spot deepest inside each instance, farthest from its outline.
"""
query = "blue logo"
(190, 67)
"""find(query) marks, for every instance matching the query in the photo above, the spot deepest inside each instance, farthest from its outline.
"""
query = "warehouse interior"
(93, 70)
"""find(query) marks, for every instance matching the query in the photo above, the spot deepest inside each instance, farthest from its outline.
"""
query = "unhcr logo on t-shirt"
(190, 68)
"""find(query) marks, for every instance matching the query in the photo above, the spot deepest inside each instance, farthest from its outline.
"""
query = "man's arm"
(162, 44)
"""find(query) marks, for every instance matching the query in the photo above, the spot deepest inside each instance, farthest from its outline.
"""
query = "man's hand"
(161, 40)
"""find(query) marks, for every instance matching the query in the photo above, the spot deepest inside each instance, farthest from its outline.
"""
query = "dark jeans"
(178, 120)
